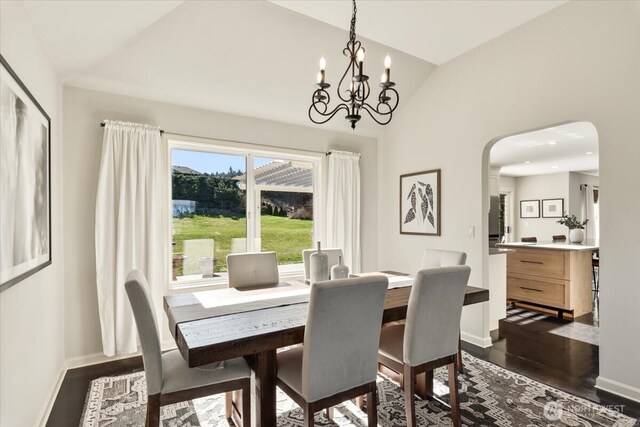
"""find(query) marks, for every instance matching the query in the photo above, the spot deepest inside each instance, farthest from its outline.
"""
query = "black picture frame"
(524, 206)
(41, 239)
(419, 222)
(548, 202)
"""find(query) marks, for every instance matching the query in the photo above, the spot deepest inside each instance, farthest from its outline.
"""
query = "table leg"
(264, 390)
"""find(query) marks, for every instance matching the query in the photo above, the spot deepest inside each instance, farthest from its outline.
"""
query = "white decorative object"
(339, 271)
(319, 266)
(576, 235)
(207, 265)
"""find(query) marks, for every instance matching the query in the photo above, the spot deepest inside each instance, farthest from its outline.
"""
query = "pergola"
(281, 176)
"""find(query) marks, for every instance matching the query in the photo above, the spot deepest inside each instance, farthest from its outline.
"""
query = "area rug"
(489, 396)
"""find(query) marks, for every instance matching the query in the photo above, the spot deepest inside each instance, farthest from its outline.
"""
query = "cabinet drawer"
(535, 291)
(543, 263)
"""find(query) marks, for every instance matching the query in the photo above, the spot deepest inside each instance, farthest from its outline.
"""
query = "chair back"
(559, 238)
(138, 292)
(433, 315)
(342, 335)
(529, 239)
(194, 251)
(332, 255)
(252, 269)
(433, 258)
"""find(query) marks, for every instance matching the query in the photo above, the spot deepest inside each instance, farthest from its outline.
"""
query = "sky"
(211, 162)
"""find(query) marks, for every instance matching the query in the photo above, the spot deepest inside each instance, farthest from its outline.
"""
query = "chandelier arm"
(320, 92)
(349, 52)
(328, 116)
(366, 107)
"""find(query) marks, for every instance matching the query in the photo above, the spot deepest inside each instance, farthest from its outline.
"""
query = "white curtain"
(591, 211)
(131, 226)
(343, 206)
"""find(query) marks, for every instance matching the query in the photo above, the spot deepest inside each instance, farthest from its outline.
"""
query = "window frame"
(250, 152)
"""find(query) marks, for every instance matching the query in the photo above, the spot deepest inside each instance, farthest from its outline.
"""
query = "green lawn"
(287, 237)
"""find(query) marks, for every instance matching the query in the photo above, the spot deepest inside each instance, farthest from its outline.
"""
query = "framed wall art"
(420, 203)
(25, 181)
(529, 208)
(552, 208)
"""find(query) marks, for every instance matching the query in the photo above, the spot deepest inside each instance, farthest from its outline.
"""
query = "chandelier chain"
(352, 31)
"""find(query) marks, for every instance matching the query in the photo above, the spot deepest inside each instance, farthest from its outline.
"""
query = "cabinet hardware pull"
(531, 262)
(531, 289)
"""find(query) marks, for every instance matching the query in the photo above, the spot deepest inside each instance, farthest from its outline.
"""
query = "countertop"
(563, 246)
(499, 251)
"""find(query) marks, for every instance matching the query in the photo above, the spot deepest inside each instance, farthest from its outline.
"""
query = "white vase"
(576, 235)
(339, 271)
(318, 266)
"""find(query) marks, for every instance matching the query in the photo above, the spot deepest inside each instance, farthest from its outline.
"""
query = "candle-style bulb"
(360, 55)
(387, 62)
(323, 63)
(383, 79)
(319, 77)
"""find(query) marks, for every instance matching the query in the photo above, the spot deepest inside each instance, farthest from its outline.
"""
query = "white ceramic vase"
(339, 271)
(576, 235)
(318, 266)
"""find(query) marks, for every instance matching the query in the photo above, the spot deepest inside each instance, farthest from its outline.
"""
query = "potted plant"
(576, 235)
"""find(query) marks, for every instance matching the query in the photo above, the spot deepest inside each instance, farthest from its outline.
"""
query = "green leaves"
(572, 222)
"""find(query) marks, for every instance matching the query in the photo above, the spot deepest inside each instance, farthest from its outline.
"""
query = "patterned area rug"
(490, 396)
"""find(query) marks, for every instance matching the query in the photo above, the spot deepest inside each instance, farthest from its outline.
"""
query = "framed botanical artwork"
(529, 208)
(420, 203)
(25, 176)
(552, 208)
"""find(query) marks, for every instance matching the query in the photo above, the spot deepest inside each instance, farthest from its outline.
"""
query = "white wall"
(32, 311)
(85, 109)
(580, 61)
(539, 187)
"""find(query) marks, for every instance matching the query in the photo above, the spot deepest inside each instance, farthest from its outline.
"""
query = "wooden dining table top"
(207, 340)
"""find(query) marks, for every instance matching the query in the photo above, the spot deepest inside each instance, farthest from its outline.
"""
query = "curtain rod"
(102, 124)
(328, 153)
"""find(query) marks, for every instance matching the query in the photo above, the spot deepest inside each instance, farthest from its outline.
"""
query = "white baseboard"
(618, 388)
(475, 340)
(46, 411)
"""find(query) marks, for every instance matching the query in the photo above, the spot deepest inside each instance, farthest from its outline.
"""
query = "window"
(227, 199)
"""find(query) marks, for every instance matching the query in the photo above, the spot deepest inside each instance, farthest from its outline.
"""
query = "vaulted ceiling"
(258, 58)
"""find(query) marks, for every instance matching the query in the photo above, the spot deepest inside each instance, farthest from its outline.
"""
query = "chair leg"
(228, 404)
(308, 416)
(153, 411)
(330, 413)
(453, 395)
(459, 356)
(409, 398)
(246, 404)
(372, 407)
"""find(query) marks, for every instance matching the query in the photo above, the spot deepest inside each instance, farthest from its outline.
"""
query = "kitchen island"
(550, 276)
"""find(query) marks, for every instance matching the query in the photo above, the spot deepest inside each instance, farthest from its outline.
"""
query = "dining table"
(254, 322)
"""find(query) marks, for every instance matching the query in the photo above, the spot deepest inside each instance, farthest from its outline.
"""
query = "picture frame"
(25, 181)
(420, 203)
(529, 208)
(552, 208)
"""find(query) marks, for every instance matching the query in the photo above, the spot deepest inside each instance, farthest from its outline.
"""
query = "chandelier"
(354, 99)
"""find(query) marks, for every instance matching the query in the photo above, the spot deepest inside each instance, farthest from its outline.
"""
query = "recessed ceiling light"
(528, 161)
(553, 142)
(555, 167)
(588, 153)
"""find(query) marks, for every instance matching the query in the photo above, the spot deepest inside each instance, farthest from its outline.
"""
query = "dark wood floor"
(524, 346)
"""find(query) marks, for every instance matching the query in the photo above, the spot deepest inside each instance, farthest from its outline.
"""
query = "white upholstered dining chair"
(429, 338)
(337, 360)
(333, 255)
(169, 378)
(252, 269)
(432, 258)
